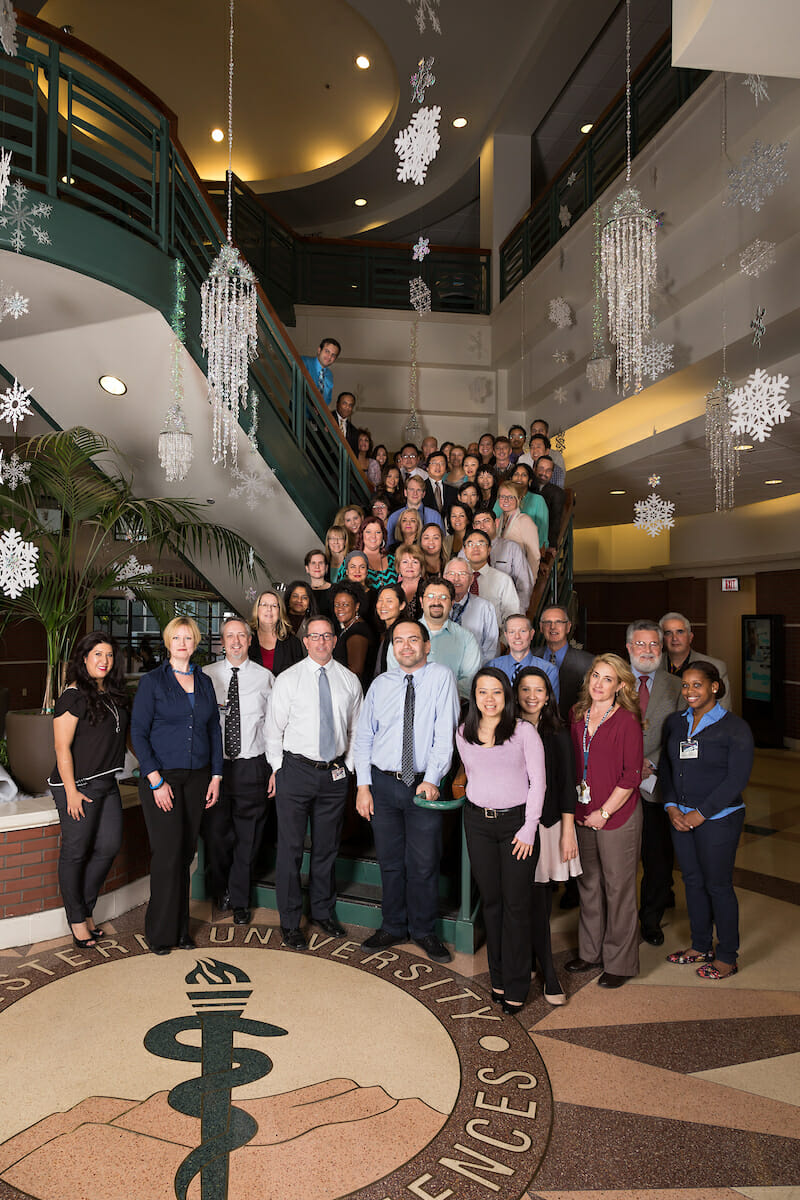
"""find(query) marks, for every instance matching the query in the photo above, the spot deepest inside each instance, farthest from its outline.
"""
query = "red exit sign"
(730, 584)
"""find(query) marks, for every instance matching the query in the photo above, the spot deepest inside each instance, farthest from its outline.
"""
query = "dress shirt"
(496, 587)
(171, 730)
(480, 618)
(379, 737)
(508, 665)
(428, 516)
(293, 712)
(255, 685)
(559, 469)
(559, 655)
(322, 376)
(453, 647)
(508, 775)
(508, 556)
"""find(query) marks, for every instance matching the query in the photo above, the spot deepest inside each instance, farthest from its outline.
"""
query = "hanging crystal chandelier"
(628, 252)
(598, 368)
(175, 445)
(229, 322)
(722, 453)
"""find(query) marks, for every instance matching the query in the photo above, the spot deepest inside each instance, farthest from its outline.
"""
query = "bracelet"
(155, 786)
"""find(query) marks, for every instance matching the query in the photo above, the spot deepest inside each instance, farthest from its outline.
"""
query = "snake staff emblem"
(218, 1000)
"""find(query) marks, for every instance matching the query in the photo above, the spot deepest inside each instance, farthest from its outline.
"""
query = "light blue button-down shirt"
(509, 665)
(453, 647)
(322, 376)
(379, 735)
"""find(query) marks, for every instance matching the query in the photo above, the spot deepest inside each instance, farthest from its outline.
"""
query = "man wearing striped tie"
(519, 635)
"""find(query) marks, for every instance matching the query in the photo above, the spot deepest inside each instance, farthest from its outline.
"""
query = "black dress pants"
(657, 861)
(304, 792)
(173, 841)
(244, 788)
(88, 846)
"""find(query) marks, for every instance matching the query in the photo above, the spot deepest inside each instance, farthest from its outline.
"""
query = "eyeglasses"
(474, 542)
(647, 645)
(408, 456)
(554, 622)
(320, 637)
(440, 596)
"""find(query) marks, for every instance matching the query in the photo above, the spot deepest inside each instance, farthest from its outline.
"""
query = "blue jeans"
(408, 841)
(706, 856)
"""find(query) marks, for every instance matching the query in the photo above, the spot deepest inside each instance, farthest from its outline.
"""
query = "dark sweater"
(715, 779)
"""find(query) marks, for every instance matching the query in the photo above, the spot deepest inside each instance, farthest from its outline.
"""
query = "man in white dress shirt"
(507, 556)
(233, 828)
(472, 612)
(495, 586)
(310, 726)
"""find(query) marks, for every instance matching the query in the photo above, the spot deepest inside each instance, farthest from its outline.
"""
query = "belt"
(492, 814)
(313, 762)
(418, 777)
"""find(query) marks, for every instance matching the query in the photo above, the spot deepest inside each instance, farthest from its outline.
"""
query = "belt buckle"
(491, 814)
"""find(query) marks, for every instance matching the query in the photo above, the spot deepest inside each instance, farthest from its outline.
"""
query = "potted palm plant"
(72, 508)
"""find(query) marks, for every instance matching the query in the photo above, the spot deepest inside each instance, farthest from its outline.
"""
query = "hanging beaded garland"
(721, 443)
(598, 368)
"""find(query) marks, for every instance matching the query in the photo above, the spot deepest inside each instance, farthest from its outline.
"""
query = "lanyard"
(588, 739)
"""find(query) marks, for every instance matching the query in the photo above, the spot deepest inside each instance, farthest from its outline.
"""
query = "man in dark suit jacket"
(437, 467)
(659, 695)
(571, 663)
(554, 497)
(345, 403)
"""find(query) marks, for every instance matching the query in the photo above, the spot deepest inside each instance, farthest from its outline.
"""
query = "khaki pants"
(608, 931)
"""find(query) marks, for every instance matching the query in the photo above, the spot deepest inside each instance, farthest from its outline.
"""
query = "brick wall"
(29, 865)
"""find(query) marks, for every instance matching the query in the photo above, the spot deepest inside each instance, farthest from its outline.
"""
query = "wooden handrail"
(546, 571)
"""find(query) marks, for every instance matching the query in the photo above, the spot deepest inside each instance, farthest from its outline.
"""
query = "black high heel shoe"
(497, 997)
(511, 1008)
(84, 943)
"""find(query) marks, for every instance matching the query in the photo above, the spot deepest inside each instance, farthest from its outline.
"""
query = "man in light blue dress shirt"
(408, 839)
(319, 367)
(451, 645)
(519, 635)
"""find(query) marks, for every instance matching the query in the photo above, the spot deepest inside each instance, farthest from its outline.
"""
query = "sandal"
(686, 958)
(711, 972)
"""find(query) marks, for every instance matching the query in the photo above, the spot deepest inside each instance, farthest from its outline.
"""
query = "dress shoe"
(241, 916)
(381, 939)
(555, 998)
(611, 981)
(435, 950)
(223, 902)
(186, 942)
(579, 964)
(158, 949)
(331, 925)
(653, 937)
(295, 939)
(510, 1008)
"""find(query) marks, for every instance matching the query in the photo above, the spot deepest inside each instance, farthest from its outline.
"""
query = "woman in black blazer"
(704, 767)
(273, 644)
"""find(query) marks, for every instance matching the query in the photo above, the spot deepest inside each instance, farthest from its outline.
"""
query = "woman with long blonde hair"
(273, 644)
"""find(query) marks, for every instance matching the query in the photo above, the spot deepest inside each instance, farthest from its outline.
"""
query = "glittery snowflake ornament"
(759, 405)
(12, 304)
(251, 486)
(560, 313)
(8, 28)
(14, 404)
(133, 569)
(418, 144)
(571, 178)
(653, 515)
(758, 175)
(422, 79)
(654, 481)
(421, 249)
(14, 472)
(757, 258)
(427, 11)
(22, 218)
(17, 564)
(5, 174)
(757, 86)
(419, 294)
(657, 359)
(560, 395)
(564, 217)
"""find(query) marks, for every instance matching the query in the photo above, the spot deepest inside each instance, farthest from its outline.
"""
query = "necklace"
(112, 708)
(177, 672)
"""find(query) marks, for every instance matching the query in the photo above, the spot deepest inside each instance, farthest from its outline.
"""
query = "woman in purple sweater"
(504, 762)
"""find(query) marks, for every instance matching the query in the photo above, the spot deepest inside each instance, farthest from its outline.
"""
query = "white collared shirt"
(293, 717)
(255, 687)
(496, 587)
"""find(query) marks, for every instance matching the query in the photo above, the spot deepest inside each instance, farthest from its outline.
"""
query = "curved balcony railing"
(83, 130)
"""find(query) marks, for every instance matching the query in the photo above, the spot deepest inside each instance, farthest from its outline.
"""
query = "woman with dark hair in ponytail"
(90, 721)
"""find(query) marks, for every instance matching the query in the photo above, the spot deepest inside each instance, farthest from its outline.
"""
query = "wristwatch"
(605, 815)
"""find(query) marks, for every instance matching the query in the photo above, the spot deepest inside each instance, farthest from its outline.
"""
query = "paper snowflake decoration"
(419, 294)
(758, 175)
(758, 327)
(17, 564)
(418, 144)
(5, 174)
(14, 472)
(427, 10)
(560, 395)
(421, 249)
(571, 178)
(653, 514)
(14, 404)
(561, 356)
(8, 28)
(422, 79)
(757, 258)
(250, 595)
(560, 313)
(757, 87)
(133, 569)
(759, 405)
(12, 304)
(23, 218)
(252, 486)
(657, 359)
(654, 481)
(565, 217)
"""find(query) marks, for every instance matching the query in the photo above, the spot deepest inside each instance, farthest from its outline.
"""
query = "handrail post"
(164, 184)
(53, 76)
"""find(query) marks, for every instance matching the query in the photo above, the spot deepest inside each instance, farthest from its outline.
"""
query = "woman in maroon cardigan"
(606, 729)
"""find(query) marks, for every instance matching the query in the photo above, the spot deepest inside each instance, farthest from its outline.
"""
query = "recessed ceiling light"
(588, 127)
(360, 202)
(363, 62)
(772, 481)
(112, 385)
(617, 492)
(459, 122)
(744, 446)
(217, 135)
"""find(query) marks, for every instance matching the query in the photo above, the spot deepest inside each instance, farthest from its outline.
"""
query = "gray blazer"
(720, 664)
(570, 677)
(665, 698)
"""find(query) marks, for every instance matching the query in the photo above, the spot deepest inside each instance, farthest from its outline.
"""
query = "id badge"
(584, 795)
(338, 774)
(223, 709)
(690, 750)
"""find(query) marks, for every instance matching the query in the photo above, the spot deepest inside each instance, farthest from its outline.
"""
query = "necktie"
(456, 612)
(473, 587)
(407, 761)
(327, 734)
(437, 491)
(322, 380)
(233, 718)
(515, 676)
(552, 657)
(644, 694)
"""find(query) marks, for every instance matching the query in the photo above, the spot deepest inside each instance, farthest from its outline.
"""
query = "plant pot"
(31, 749)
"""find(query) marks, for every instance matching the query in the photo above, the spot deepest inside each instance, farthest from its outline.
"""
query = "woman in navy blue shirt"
(176, 735)
(704, 767)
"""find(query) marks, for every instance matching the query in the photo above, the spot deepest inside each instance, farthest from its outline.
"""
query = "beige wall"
(724, 611)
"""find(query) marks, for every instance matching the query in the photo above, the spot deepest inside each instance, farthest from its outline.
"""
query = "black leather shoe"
(187, 943)
(241, 916)
(223, 902)
(510, 1008)
(435, 950)
(611, 981)
(381, 939)
(158, 949)
(331, 925)
(579, 964)
(653, 936)
(295, 939)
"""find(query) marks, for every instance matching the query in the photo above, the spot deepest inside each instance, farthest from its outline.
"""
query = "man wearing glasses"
(415, 494)
(571, 663)
(409, 462)
(451, 644)
(310, 728)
